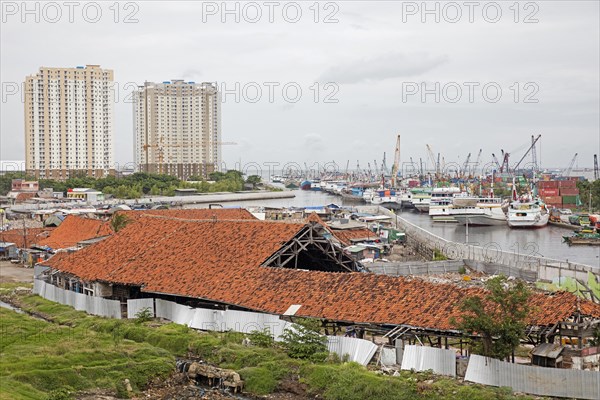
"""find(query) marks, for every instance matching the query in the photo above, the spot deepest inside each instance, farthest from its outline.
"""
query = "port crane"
(567, 171)
(533, 142)
(396, 165)
(534, 162)
(496, 161)
(432, 157)
(478, 161)
(466, 166)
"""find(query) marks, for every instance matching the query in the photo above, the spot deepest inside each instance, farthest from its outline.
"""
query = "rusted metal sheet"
(554, 382)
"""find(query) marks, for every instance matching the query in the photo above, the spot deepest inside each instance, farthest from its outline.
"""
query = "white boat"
(482, 211)
(277, 178)
(441, 201)
(527, 214)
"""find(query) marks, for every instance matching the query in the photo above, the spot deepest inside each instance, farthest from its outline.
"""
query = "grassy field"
(78, 351)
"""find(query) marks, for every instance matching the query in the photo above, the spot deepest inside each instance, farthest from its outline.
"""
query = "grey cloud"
(393, 65)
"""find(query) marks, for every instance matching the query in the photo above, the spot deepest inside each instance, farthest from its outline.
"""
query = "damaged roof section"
(223, 261)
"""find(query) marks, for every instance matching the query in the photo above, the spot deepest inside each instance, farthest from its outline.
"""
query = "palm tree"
(119, 221)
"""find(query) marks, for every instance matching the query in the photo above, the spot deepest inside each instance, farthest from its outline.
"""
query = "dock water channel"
(544, 242)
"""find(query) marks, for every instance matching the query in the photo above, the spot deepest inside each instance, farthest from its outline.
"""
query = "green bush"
(144, 315)
(261, 338)
(302, 342)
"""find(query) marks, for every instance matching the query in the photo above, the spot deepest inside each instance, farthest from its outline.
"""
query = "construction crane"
(160, 147)
(533, 142)
(596, 173)
(396, 165)
(567, 171)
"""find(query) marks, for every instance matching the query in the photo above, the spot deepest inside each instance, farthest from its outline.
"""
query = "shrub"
(302, 342)
(261, 338)
(144, 315)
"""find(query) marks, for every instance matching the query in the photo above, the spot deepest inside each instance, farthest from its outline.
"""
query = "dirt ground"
(14, 272)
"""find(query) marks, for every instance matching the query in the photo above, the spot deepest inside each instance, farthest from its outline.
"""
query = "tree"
(253, 179)
(499, 318)
(119, 221)
(303, 340)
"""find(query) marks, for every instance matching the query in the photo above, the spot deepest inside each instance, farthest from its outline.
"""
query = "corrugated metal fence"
(422, 358)
(90, 304)
(358, 350)
(134, 306)
(415, 268)
(219, 320)
(555, 382)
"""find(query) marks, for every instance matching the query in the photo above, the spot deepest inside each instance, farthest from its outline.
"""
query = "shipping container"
(569, 191)
(570, 206)
(569, 199)
(567, 184)
(548, 184)
(553, 199)
(549, 192)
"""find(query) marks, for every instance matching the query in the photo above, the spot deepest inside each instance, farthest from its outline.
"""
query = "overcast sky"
(370, 68)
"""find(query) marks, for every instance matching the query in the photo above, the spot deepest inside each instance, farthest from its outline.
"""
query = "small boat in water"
(306, 185)
(586, 236)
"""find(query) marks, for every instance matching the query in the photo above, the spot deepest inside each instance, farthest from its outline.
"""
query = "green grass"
(76, 351)
(39, 356)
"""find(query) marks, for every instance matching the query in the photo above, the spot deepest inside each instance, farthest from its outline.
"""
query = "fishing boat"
(441, 201)
(383, 197)
(421, 201)
(479, 211)
(306, 185)
(586, 236)
(527, 213)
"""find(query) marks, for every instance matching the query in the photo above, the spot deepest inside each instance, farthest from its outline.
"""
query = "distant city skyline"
(375, 73)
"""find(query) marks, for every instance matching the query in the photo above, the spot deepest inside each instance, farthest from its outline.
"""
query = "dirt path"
(14, 273)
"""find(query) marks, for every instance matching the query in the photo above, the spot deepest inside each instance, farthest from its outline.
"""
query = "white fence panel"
(90, 304)
(134, 306)
(358, 350)
(204, 319)
(554, 382)
(423, 358)
(388, 356)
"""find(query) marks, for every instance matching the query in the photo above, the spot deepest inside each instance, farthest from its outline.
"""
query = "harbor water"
(544, 242)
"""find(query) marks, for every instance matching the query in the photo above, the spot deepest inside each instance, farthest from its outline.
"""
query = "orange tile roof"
(32, 236)
(74, 229)
(220, 261)
(194, 213)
